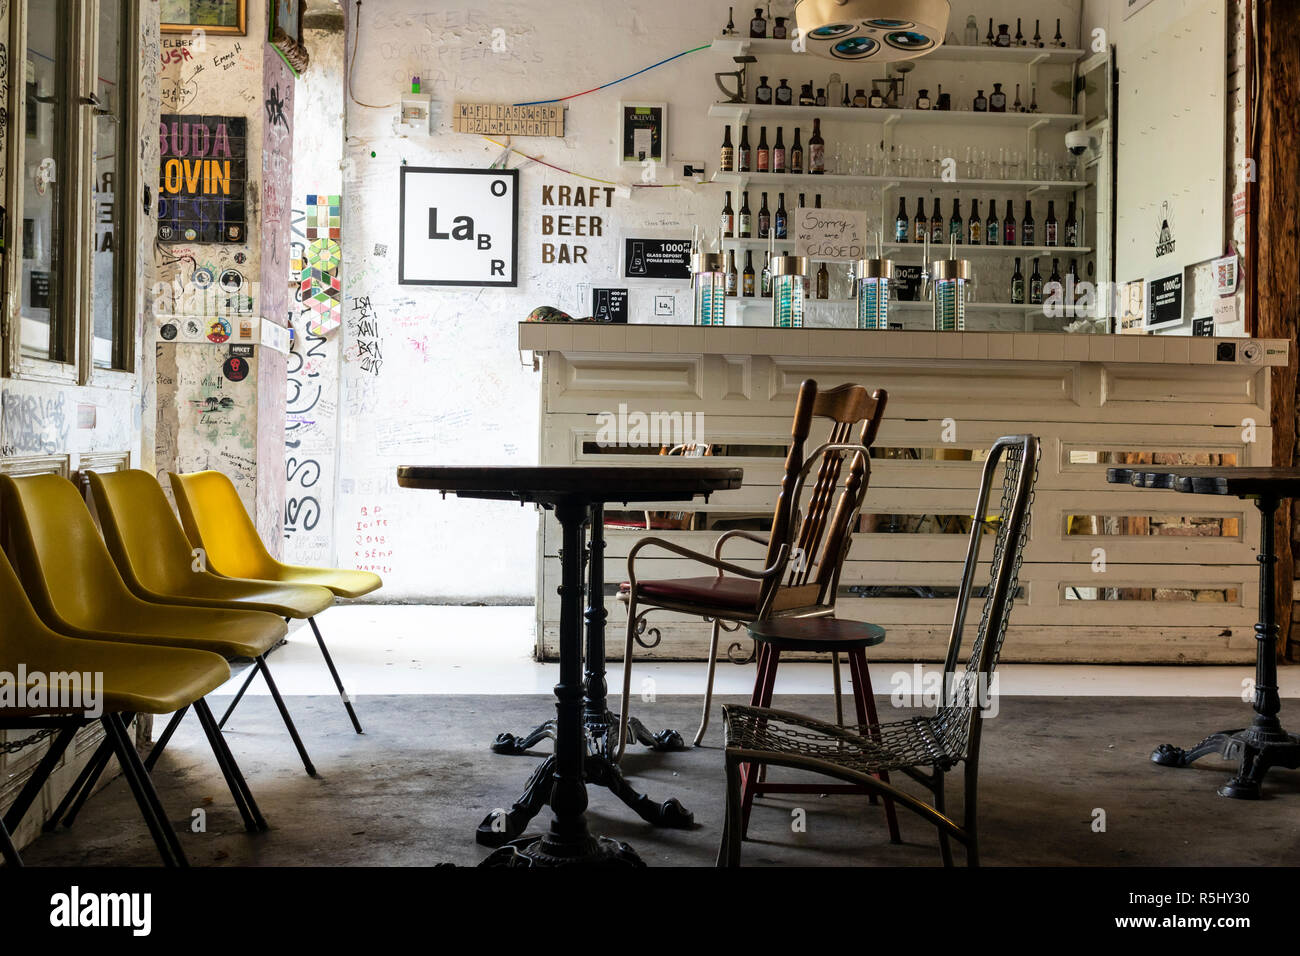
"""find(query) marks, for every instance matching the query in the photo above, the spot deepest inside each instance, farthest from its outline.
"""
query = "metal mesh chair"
(938, 742)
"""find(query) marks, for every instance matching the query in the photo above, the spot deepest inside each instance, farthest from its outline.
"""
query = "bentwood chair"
(215, 520)
(72, 582)
(924, 748)
(155, 560)
(136, 679)
(805, 549)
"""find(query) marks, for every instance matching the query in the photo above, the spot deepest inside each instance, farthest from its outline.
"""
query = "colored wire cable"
(595, 89)
(569, 172)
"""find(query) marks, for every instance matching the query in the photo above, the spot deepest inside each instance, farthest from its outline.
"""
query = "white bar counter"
(1177, 586)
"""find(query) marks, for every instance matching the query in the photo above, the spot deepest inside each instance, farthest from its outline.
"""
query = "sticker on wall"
(1165, 242)
(657, 259)
(218, 330)
(236, 366)
(168, 331)
(232, 280)
(1225, 275)
(202, 176)
(1203, 326)
(1165, 307)
(202, 278)
(320, 288)
(609, 305)
(458, 227)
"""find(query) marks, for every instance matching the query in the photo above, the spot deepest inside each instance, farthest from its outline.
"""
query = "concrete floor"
(1068, 742)
(412, 789)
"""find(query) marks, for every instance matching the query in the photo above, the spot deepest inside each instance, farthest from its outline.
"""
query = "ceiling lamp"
(871, 29)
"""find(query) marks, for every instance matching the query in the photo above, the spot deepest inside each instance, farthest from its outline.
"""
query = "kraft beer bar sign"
(458, 227)
(203, 170)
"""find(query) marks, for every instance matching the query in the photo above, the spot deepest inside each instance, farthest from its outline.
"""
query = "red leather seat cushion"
(731, 592)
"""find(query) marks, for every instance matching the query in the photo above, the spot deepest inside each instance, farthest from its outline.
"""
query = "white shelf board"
(837, 179)
(759, 113)
(754, 301)
(936, 249)
(1028, 56)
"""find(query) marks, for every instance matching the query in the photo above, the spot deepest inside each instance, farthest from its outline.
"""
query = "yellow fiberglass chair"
(113, 682)
(156, 562)
(72, 582)
(215, 520)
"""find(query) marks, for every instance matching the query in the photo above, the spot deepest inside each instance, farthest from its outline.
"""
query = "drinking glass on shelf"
(968, 165)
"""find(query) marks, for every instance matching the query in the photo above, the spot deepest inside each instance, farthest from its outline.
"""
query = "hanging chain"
(13, 746)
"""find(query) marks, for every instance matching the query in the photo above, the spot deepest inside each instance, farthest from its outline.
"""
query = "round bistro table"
(583, 727)
(1264, 744)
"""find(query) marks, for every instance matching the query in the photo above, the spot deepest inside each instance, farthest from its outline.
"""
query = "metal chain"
(13, 746)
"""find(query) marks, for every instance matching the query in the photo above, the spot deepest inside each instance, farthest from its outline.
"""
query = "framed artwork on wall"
(644, 128)
(220, 17)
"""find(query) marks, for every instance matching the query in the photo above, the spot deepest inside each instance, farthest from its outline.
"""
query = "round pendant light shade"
(871, 29)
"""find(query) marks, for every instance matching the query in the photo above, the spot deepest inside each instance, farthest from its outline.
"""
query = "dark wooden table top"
(1211, 480)
(545, 483)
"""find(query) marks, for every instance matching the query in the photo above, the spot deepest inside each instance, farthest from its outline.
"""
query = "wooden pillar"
(1274, 276)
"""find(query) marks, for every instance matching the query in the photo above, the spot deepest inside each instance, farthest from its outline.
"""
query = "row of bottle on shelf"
(836, 93)
(975, 231)
(774, 158)
(988, 231)
(749, 283)
(758, 30)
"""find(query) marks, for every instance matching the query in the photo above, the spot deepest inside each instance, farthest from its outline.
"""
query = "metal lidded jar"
(789, 286)
(710, 278)
(873, 278)
(949, 285)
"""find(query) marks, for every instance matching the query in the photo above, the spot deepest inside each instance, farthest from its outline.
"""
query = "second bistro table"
(583, 723)
(1264, 744)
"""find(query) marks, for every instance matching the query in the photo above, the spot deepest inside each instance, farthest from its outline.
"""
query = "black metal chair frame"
(118, 743)
(939, 742)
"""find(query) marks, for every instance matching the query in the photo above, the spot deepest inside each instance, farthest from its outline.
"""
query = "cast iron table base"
(1264, 744)
(582, 725)
(501, 828)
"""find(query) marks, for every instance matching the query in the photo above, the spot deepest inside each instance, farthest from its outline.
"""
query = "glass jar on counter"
(789, 289)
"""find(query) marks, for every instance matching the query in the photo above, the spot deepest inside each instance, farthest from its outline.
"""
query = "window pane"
(45, 167)
(107, 209)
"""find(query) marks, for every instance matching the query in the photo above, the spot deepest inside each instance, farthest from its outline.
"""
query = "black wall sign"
(609, 305)
(1165, 302)
(907, 287)
(1203, 326)
(657, 259)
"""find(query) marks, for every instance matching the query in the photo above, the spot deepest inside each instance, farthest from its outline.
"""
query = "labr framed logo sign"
(459, 227)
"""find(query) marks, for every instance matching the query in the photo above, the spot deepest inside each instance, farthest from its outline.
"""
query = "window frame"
(77, 209)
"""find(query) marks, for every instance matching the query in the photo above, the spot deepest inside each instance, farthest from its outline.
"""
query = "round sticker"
(191, 234)
(202, 278)
(231, 280)
(236, 368)
(218, 331)
(192, 328)
(240, 258)
(168, 331)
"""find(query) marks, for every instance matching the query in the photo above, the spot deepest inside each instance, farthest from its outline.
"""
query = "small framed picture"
(644, 133)
(218, 17)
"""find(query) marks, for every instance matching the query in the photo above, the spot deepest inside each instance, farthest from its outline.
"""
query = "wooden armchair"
(805, 550)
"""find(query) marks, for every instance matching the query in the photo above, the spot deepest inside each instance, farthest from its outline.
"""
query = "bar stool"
(826, 635)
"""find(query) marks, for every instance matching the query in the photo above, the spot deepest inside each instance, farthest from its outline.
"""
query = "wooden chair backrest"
(819, 538)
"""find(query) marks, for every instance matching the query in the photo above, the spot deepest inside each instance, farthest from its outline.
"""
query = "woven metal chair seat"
(771, 735)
